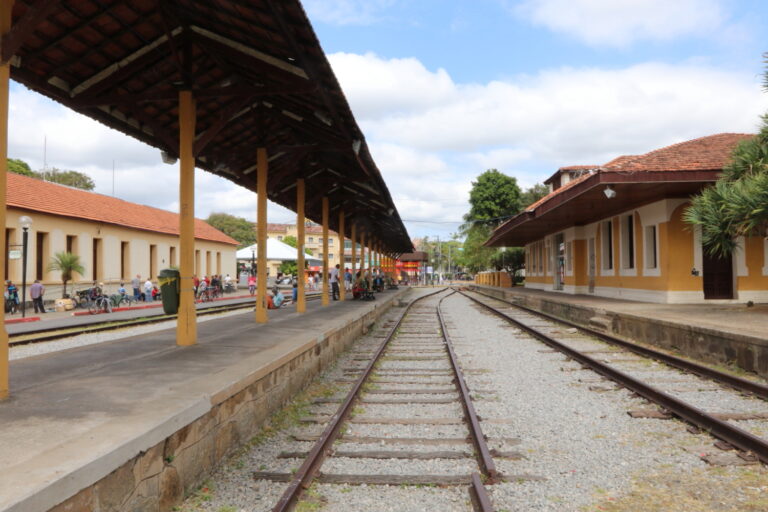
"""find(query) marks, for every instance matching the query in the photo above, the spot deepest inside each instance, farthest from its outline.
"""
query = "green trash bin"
(169, 280)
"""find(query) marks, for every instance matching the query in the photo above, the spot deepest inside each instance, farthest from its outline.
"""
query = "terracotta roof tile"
(703, 154)
(46, 197)
(559, 191)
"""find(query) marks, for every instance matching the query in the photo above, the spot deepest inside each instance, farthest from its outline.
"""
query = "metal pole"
(24, 241)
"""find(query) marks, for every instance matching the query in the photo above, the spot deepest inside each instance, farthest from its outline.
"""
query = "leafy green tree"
(69, 178)
(68, 264)
(494, 196)
(242, 230)
(290, 240)
(288, 268)
(533, 194)
(737, 205)
(20, 167)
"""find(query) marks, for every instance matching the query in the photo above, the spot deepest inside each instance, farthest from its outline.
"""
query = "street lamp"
(253, 260)
(25, 222)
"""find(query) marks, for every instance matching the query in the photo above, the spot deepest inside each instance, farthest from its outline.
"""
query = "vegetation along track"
(415, 351)
(546, 329)
(57, 333)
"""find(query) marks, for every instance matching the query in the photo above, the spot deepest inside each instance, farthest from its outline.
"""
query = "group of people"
(150, 291)
(215, 285)
(11, 296)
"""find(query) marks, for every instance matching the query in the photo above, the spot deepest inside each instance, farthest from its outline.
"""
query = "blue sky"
(446, 89)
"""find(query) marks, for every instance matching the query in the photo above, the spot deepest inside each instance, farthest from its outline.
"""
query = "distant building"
(115, 239)
(313, 242)
(616, 230)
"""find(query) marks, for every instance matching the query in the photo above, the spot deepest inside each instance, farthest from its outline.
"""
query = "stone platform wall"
(159, 478)
(747, 352)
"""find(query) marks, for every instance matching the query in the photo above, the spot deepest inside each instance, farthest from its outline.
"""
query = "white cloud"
(621, 22)
(347, 12)
(375, 86)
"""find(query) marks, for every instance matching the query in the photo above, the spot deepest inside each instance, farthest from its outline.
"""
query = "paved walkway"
(84, 409)
(730, 318)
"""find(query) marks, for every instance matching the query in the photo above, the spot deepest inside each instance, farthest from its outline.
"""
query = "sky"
(446, 89)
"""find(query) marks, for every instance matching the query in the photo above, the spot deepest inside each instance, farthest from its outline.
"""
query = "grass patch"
(311, 500)
(725, 489)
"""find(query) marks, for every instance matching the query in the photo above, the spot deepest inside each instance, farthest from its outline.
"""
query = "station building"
(313, 241)
(617, 230)
(115, 239)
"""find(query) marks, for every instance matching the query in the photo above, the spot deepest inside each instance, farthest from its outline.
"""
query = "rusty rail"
(483, 453)
(735, 436)
(314, 460)
(747, 386)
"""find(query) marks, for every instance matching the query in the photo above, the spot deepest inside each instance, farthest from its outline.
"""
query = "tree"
(533, 194)
(69, 178)
(242, 230)
(288, 268)
(20, 167)
(737, 205)
(494, 196)
(290, 240)
(68, 264)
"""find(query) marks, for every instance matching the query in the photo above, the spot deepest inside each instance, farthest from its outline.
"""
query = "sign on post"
(14, 254)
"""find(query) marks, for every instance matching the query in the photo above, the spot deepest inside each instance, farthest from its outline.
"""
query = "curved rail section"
(735, 436)
(322, 448)
(747, 386)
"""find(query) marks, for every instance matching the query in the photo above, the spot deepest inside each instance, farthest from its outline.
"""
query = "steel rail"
(306, 473)
(483, 453)
(479, 495)
(737, 437)
(747, 386)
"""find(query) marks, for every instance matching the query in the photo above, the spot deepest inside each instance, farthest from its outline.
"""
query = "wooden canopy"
(259, 78)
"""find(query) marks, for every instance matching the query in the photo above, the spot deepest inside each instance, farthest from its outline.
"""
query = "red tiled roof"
(578, 168)
(271, 228)
(559, 191)
(703, 154)
(46, 197)
(620, 160)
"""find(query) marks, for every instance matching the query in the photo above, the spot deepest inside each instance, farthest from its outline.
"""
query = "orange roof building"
(115, 239)
(617, 230)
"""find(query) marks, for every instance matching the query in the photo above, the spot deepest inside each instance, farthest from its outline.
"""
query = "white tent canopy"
(276, 251)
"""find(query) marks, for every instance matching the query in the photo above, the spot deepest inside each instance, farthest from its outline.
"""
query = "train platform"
(718, 333)
(136, 423)
(81, 317)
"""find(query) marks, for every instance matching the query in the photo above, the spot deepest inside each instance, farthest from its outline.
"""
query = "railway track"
(57, 333)
(414, 368)
(577, 342)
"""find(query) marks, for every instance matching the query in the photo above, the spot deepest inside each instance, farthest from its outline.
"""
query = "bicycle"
(100, 304)
(126, 301)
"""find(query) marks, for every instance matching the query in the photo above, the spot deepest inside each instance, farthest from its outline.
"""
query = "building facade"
(115, 239)
(313, 242)
(618, 231)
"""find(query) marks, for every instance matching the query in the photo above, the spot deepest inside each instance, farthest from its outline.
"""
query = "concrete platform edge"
(703, 343)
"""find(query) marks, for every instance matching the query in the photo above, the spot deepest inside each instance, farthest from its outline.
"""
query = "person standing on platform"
(251, 284)
(36, 291)
(334, 279)
(347, 280)
(136, 285)
(148, 290)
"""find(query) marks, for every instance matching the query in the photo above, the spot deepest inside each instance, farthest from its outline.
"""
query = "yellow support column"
(342, 265)
(261, 235)
(354, 252)
(186, 321)
(324, 297)
(301, 299)
(5, 73)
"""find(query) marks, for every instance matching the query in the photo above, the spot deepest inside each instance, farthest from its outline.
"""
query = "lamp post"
(25, 222)
(253, 261)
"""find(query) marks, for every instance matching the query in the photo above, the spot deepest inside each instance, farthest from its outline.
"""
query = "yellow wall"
(112, 236)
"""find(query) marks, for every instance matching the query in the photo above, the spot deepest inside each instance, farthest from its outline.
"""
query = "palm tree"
(737, 205)
(68, 264)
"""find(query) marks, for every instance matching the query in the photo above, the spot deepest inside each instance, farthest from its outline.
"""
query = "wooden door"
(718, 276)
